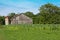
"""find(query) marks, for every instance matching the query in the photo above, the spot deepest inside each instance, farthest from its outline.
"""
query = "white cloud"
(18, 7)
(7, 10)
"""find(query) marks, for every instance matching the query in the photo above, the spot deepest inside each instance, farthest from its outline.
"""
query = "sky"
(19, 6)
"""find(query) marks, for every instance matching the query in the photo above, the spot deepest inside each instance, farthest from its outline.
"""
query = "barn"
(21, 19)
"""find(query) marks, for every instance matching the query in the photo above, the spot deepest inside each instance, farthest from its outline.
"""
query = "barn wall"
(21, 19)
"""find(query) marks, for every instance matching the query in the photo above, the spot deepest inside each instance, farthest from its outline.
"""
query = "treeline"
(48, 14)
(2, 20)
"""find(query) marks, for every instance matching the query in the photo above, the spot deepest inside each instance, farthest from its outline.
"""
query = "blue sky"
(19, 6)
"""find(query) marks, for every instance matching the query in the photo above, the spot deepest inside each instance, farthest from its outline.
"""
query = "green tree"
(49, 14)
(10, 16)
(2, 20)
(29, 14)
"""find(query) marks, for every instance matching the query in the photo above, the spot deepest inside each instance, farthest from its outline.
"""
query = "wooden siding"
(21, 19)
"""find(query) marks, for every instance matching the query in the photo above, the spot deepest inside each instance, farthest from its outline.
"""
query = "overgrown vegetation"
(2, 20)
(31, 32)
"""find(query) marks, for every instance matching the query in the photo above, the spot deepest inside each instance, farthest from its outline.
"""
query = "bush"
(1, 26)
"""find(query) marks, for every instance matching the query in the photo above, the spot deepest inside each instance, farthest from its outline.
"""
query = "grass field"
(30, 32)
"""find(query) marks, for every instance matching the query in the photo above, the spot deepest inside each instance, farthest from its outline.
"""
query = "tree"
(49, 14)
(2, 20)
(10, 16)
(29, 14)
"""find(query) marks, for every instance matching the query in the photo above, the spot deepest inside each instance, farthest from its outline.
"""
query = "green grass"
(30, 32)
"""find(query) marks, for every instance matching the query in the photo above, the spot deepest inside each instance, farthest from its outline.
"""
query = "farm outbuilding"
(21, 19)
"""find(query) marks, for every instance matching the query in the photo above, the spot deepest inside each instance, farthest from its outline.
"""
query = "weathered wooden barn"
(21, 19)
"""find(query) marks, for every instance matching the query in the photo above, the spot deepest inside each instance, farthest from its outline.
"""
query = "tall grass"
(35, 26)
(31, 32)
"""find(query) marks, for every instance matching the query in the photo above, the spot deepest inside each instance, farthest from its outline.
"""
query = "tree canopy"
(49, 14)
(2, 20)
